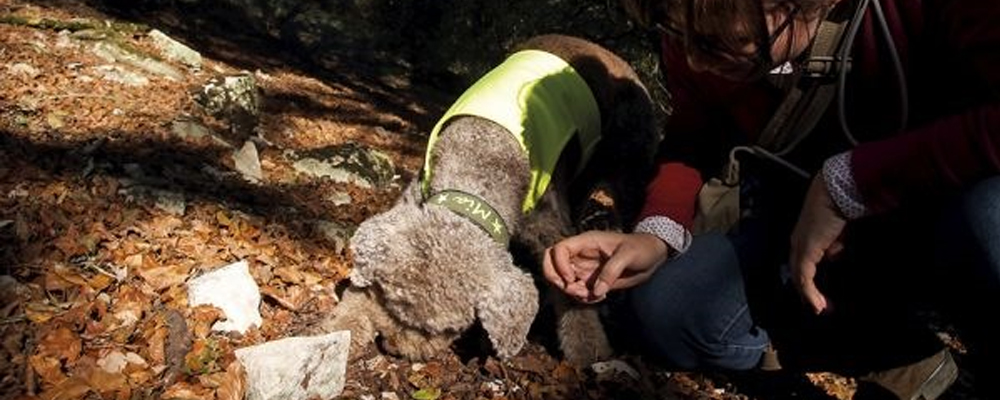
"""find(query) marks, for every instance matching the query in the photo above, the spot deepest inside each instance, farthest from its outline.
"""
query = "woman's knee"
(693, 311)
(981, 216)
(981, 209)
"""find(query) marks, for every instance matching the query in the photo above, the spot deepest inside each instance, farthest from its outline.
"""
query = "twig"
(101, 271)
(14, 319)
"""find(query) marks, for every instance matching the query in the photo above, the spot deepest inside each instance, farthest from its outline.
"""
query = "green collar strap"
(476, 210)
(542, 101)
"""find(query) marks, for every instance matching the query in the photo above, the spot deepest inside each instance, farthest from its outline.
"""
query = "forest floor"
(105, 213)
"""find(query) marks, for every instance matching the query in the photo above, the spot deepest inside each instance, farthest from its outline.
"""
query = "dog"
(440, 259)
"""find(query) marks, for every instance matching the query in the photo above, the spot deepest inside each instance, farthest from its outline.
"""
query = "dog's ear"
(507, 310)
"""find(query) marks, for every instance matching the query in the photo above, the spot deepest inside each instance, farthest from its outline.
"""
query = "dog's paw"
(415, 345)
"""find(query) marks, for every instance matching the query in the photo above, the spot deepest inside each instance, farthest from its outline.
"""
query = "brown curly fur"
(423, 274)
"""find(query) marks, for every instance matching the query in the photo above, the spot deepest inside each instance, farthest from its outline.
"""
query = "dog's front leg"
(581, 334)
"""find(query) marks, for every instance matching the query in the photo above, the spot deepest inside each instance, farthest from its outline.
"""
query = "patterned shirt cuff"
(668, 230)
(840, 183)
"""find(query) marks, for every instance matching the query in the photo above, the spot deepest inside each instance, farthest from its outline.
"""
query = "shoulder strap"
(808, 100)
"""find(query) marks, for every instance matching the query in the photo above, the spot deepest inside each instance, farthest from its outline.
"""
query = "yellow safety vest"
(542, 101)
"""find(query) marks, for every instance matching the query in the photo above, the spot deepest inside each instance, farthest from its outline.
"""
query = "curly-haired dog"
(562, 131)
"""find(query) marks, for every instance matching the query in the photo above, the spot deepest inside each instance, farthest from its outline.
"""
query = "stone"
(296, 368)
(232, 290)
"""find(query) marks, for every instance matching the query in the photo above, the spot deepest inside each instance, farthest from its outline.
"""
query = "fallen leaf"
(129, 306)
(48, 369)
(202, 358)
(233, 387)
(163, 276)
(60, 343)
(63, 277)
(72, 388)
(39, 312)
(426, 394)
(289, 274)
(201, 318)
(187, 391)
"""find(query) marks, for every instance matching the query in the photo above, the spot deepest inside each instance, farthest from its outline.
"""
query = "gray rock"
(348, 163)
(171, 202)
(296, 368)
(190, 129)
(115, 73)
(234, 99)
(175, 51)
(248, 162)
(337, 234)
(113, 53)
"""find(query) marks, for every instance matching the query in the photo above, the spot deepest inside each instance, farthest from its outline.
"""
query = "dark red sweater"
(950, 51)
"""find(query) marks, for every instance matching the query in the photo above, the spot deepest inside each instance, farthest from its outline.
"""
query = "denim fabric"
(693, 311)
(968, 259)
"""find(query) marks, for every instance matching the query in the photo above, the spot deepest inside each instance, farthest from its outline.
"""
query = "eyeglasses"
(713, 46)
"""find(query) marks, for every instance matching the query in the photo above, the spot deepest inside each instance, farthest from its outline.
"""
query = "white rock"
(389, 396)
(614, 368)
(231, 289)
(296, 368)
(248, 162)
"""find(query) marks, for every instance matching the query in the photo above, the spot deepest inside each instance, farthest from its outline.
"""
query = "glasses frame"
(761, 59)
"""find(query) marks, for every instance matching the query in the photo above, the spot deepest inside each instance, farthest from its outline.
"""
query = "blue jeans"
(693, 311)
(718, 305)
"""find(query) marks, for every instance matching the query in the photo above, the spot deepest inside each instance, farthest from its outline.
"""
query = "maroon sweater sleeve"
(943, 156)
(953, 151)
(674, 189)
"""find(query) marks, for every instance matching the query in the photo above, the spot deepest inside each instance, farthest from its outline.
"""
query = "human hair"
(728, 32)
(648, 13)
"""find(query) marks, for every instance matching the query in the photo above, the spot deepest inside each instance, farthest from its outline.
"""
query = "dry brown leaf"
(155, 336)
(162, 226)
(163, 276)
(129, 306)
(70, 242)
(99, 282)
(232, 385)
(40, 312)
(564, 372)
(62, 277)
(203, 357)
(47, 368)
(61, 344)
(201, 318)
(187, 391)
(289, 274)
(106, 384)
(72, 388)
(289, 298)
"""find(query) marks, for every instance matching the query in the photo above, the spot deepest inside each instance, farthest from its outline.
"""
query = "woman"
(901, 214)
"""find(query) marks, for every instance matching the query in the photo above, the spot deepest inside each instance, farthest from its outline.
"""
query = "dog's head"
(438, 272)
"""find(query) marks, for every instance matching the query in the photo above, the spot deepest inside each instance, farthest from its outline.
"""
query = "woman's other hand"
(817, 235)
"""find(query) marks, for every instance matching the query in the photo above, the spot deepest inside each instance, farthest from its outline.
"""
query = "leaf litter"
(106, 212)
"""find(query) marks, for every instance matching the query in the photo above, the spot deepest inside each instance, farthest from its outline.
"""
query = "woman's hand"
(588, 265)
(817, 235)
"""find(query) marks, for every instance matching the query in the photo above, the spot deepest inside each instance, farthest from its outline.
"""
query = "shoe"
(769, 360)
(926, 379)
